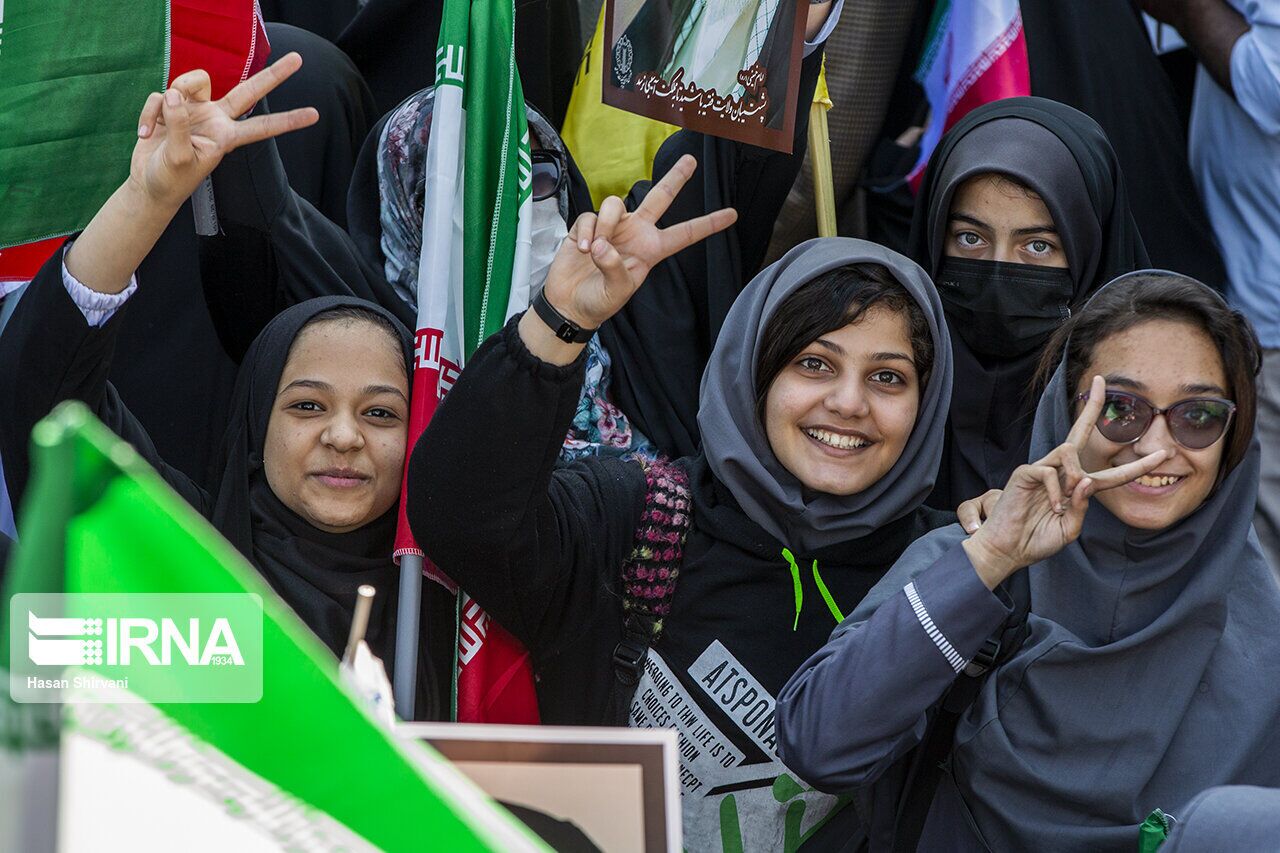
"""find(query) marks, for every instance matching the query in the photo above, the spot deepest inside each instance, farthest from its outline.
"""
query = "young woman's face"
(993, 219)
(1162, 361)
(335, 443)
(839, 414)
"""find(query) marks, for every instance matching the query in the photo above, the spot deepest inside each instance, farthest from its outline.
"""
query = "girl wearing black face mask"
(1021, 215)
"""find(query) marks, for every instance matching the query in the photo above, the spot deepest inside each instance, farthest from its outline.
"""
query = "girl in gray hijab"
(822, 413)
(1151, 664)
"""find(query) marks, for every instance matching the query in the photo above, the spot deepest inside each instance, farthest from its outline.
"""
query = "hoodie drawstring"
(799, 589)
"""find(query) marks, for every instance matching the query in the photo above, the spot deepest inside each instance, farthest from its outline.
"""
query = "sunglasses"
(1195, 423)
(549, 173)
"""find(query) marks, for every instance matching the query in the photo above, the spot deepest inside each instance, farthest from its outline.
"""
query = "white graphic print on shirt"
(736, 794)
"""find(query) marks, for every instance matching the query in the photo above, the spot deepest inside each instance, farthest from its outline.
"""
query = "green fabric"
(497, 162)
(73, 78)
(1152, 832)
(795, 581)
(98, 519)
(826, 595)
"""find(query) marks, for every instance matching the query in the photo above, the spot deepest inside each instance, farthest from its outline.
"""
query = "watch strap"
(564, 328)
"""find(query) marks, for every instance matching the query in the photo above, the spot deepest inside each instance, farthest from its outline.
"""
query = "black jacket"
(540, 546)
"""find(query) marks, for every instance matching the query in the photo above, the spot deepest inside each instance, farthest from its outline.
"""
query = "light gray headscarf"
(1151, 671)
(734, 439)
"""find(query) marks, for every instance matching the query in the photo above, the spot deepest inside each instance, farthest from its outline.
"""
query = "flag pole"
(405, 678)
(824, 193)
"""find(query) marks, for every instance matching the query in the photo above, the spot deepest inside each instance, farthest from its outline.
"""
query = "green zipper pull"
(826, 595)
(795, 580)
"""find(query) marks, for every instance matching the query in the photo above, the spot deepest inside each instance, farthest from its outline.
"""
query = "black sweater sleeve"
(274, 250)
(539, 545)
(50, 354)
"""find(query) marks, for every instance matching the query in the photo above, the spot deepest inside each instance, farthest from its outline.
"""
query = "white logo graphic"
(63, 642)
(60, 641)
(623, 54)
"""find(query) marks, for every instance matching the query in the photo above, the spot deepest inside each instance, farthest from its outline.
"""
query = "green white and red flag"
(473, 276)
(304, 765)
(975, 53)
(73, 78)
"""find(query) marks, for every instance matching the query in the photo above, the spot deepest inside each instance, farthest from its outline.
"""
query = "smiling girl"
(1150, 668)
(821, 411)
(309, 474)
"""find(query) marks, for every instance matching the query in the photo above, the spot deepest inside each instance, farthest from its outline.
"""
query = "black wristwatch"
(564, 328)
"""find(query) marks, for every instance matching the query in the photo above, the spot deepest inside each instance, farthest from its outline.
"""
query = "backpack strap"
(649, 576)
(931, 757)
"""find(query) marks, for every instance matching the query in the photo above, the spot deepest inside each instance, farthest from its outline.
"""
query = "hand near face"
(183, 135)
(608, 255)
(1042, 508)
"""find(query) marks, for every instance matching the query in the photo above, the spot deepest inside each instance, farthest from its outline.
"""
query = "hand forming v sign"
(183, 135)
(608, 255)
(1042, 508)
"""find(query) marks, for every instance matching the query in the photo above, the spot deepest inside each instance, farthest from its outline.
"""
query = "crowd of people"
(961, 532)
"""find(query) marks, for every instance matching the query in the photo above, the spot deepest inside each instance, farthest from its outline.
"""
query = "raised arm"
(863, 700)
(540, 546)
(59, 343)
(182, 136)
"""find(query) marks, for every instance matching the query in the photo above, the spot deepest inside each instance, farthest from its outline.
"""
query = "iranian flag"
(73, 78)
(298, 764)
(473, 276)
(975, 53)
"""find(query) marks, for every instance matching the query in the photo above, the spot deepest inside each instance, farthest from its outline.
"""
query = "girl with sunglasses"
(1149, 662)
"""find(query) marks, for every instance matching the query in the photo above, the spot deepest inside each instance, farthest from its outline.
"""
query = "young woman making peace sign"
(1150, 668)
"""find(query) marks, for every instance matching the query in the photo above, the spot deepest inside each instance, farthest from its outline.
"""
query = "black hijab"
(319, 159)
(316, 573)
(1065, 158)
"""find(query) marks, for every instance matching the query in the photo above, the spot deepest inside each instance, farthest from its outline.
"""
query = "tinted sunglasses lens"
(1196, 424)
(1123, 418)
(546, 178)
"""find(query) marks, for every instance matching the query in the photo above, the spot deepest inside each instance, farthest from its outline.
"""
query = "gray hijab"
(1151, 671)
(734, 440)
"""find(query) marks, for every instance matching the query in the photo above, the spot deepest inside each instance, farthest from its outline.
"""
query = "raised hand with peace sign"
(608, 255)
(1042, 508)
(182, 136)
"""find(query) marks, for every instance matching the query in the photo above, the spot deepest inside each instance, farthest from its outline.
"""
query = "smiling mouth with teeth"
(1157, 482)
(840, 442)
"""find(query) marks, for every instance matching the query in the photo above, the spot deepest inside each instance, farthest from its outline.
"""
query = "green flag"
(97, 520)
(73, 77)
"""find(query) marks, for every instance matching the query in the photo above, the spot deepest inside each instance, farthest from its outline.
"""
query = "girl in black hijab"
(311, 464)
(1007, 286)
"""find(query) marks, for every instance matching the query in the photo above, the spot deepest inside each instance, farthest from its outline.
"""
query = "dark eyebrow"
(308, 383)
(1124, 382)
(385, 389)
(1035, 229)
(1204, 388)
(834, 347)
(957, 216)
(319, 385)
(893, 356)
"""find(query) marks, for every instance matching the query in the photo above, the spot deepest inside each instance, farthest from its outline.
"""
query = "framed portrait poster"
(729, 68)
(615, 790)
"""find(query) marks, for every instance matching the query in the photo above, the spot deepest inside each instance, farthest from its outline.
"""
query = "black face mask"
(1004, 310)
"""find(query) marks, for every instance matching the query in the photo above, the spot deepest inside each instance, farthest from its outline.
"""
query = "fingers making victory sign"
(609, 254)
(183, 134)
(1042, 508)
